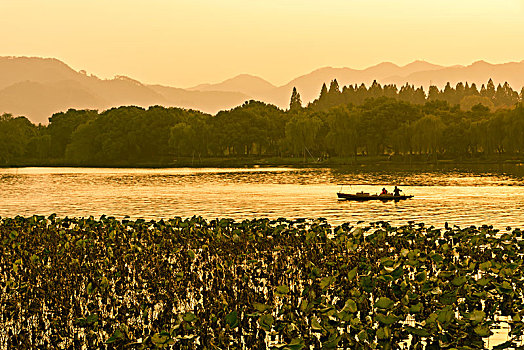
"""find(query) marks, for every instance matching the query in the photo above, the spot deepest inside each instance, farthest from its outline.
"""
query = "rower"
(396, 191)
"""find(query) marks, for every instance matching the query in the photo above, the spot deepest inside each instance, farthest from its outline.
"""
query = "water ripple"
(459, 196)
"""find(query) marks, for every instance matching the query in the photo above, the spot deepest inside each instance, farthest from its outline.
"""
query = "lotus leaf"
(383, 333)
(483, 281)
(304, 305)
(104, 282)
(352, 274)
(344, 316)
(449, 298)
(356, 323)
(162, 340)
(331, 343)
(362, 335)
(282, 290)
(477, 316)
(315, 325)
(437, 258)
(350, 306)
(326, 281)
(265, 322)
(415, 309)
(459, 281)
(413, 254)
(397, 273)
(386, 261)
(505, 288)
(385, 278)
(367, 283)
(482, 331)
(445, 315)
(421, 276)
(189, 317)
(262, 307)
(445, 274)
(387, 319)
(485, 265)
(90, 288)
(384, 303)
(232, 319)
(357, 232)
(315, 272)
(91, 319)
(117, 336)
(432, 318)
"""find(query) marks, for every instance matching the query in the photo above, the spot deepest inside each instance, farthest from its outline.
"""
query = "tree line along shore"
(349, 125)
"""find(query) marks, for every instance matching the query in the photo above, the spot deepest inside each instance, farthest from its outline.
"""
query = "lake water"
(491, 195)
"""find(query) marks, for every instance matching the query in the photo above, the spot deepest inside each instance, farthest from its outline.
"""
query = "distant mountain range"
(38, 87)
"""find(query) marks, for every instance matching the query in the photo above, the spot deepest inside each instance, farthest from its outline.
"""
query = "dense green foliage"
(466, 96)
(357, 121)
(189, 283)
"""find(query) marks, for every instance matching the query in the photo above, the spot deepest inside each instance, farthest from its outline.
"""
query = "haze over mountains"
(38, 87)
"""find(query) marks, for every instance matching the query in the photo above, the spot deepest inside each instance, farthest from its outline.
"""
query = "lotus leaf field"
(256, 284)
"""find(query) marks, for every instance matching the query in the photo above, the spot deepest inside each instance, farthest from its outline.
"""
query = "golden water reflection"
(457, 196)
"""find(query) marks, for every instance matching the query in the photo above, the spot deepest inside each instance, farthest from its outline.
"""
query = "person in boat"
(384, 192)
(396, 191)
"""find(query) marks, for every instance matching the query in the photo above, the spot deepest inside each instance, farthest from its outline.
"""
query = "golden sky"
(187, 42)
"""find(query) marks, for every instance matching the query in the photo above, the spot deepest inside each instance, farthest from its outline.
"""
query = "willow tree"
(343, 134)
(301, 133)
(427, 134)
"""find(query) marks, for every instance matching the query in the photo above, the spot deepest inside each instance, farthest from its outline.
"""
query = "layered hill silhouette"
(38, 87)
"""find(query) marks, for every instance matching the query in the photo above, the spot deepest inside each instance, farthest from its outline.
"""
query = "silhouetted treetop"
(295, 103)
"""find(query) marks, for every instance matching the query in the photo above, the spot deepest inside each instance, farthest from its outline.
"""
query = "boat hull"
(360, 197)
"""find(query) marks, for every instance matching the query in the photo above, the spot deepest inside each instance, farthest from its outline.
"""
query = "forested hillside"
(355, 121)
(39, 87)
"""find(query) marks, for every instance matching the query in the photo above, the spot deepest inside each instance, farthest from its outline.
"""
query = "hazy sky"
(186, 42)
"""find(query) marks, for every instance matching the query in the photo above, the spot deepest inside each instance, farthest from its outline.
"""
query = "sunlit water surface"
(460, 197)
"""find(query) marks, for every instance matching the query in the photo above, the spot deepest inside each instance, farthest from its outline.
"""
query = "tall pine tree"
(433, 93)
(490, 90)
(323, 92)
(334, 88)
(295, 104)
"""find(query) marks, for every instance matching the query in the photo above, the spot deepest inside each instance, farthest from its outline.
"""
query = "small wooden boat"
(362, 196)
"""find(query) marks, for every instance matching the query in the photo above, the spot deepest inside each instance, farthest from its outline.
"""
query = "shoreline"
(242, 162)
